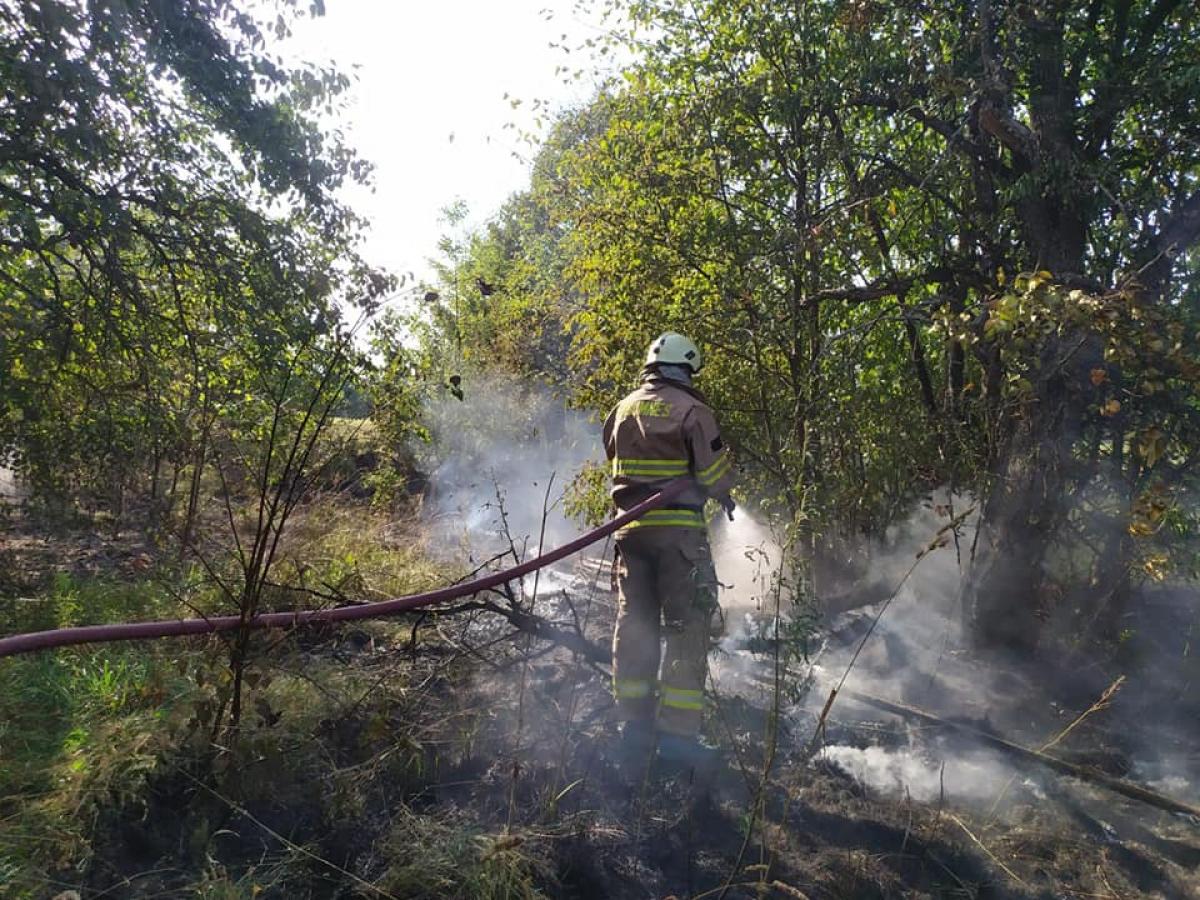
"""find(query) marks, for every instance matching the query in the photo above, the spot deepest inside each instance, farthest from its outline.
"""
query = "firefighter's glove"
(716, 625)
(729, 506)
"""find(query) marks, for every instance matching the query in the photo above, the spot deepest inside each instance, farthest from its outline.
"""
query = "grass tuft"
(446, 855)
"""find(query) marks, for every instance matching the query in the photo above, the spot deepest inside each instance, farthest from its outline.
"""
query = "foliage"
(587, 498)
(1133, 465)
(833, 198)
(171, 227)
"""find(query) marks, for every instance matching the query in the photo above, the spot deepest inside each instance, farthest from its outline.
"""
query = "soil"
(516, 744)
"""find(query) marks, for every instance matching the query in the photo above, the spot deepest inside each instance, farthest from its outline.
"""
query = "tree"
(871, 214)
(165, 196)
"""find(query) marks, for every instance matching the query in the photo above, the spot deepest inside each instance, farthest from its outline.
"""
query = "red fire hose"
(132, 631)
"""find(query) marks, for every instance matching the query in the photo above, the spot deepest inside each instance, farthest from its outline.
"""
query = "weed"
(446, 856)
(80, 729)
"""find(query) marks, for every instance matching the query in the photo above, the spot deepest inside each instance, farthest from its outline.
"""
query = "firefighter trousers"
(668, 586)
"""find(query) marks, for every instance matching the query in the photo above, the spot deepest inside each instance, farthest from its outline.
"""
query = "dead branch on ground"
(1061, 766)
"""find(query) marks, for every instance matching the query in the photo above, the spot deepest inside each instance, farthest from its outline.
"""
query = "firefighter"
(662, 431)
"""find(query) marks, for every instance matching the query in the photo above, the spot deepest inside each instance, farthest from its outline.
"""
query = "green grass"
(80, 727)
(71, 601)
(50, 702)
(85, 730)
(361, 554)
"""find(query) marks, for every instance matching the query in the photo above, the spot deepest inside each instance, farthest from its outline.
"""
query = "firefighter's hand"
(716, 625)
(729, 506)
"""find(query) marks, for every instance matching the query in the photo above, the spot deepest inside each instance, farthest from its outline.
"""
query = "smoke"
(746, 555)
(11, 489)
(911, 653)
(919, 654)
(914, 654)
(921, 774)
(492, 456)
(496, 458)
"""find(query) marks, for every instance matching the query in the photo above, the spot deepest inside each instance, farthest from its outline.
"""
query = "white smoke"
(498, 456)
(500, 446)
(11, 489)
(975, 778)
(746, 555)
(913, 655)
(918, 654)
(909, 654)
(496, 451)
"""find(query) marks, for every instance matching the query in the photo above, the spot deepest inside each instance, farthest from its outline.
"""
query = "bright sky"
(429, 107)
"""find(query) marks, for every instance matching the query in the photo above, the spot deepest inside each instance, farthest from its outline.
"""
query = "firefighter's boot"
(689, 762)
(635, 747)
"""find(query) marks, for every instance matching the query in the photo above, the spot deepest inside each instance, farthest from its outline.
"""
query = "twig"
(516, 763)
(992, 856)
(788, 890)
(1100, 704)
(540, 628)
(573, 698)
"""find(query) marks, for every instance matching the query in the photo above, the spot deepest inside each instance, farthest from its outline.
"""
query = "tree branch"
(1010, 133)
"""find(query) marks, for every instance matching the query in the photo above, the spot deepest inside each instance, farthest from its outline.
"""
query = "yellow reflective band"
(658, 468)
(668, 463)
(660, 524)
(684, 518)
(631, 688)
(715, 472)
(680, 698)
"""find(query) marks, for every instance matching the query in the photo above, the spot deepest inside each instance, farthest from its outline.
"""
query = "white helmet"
(675, 350)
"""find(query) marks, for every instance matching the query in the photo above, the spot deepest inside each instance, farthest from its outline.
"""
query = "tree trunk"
(189, 521)
(1026, 504)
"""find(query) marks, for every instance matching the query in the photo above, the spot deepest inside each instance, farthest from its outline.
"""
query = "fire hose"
(133, 631)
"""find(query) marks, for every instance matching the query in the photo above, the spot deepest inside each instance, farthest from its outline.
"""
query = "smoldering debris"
(1173, 775)
(493, 457)
(923, 774)
(911, 646)
(918, 654)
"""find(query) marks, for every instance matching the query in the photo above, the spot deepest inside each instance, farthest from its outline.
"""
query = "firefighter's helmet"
(675, 350)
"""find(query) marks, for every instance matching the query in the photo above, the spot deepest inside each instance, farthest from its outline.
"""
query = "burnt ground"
(457, 759)
(484, 765)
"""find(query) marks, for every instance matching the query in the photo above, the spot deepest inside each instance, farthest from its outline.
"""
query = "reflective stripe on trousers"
(682, 698)
(632, 688)
(667, 588)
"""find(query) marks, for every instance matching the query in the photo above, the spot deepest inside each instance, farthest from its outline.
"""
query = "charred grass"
(445, 756)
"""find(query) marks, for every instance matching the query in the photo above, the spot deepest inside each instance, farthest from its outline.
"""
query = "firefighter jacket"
(662, 431)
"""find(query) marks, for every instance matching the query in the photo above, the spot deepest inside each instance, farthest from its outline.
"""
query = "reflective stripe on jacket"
(662, 431)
